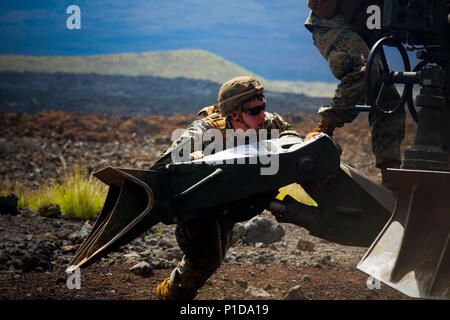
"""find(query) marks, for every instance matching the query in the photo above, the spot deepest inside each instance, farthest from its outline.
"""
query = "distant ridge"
(32, 92)
(190, 64)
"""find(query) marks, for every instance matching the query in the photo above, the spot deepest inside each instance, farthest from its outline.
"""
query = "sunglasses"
(259, 97)
(255, 110)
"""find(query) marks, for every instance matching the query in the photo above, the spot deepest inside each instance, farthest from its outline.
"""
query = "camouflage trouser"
(204, 243)
(346, 53)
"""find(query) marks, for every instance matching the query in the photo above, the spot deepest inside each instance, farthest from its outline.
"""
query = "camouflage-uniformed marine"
(215, 121)
(344, 41)
(203, 241)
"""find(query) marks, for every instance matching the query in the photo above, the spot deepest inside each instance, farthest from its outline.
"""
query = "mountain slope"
(129, 95)
(191, 64)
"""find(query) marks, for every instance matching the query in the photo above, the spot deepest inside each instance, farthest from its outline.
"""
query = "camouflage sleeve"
(275, 121)
(194, 133)
(337, 21)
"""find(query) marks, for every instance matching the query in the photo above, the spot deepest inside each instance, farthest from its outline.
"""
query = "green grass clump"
(79, 195)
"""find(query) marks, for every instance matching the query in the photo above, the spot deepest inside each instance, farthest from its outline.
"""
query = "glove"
(322, 126)
(289, 133)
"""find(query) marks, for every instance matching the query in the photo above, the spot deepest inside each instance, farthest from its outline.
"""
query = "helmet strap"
(241, 119)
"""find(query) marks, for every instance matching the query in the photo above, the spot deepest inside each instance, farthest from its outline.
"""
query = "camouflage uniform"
(204, 241)
(199, 127)
(346, 52)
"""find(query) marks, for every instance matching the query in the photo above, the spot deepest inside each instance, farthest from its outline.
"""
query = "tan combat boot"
(163, 291)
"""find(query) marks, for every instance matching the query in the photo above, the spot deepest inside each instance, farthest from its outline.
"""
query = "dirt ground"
(333, 278)
(34, 148)
(116, 283)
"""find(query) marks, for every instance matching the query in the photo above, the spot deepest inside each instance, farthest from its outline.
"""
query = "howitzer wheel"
(385, 76)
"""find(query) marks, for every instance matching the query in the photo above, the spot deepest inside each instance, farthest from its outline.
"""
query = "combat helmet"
(235, 91)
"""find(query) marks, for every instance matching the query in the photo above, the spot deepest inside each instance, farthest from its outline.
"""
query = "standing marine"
(340, 33)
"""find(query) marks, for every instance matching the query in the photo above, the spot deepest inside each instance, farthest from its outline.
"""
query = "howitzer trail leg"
(412, 253)
(178, 192)
(352, 209)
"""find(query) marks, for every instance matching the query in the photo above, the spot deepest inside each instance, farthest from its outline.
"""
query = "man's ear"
(234, 116)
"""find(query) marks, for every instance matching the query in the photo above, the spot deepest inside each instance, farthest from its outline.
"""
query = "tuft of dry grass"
(79, 195)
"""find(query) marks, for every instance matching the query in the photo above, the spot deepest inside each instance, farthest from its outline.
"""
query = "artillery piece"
(408, 231)
(412, 253)
(351, 210)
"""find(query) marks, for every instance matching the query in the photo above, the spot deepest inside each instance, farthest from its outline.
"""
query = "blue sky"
(265, 36)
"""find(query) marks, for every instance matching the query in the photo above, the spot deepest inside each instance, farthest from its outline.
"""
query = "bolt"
(305, 164)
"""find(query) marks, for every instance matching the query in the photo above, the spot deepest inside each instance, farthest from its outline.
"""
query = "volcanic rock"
(79, 236)
(8, 204)
(39, 258)
(262, 230)
(142, 269)
(50, 211)
(305, 245)
(257, 294)
(294, 293)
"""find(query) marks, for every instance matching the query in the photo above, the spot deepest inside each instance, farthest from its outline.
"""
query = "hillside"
(192, 64)
(128, 95)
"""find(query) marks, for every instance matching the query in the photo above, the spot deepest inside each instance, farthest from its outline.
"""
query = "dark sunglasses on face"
(259, 97)
(255, 110)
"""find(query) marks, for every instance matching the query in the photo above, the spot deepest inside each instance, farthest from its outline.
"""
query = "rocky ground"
(267, 260)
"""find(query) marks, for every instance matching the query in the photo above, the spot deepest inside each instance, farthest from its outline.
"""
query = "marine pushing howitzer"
(229, 185)
(408, 233)
(412, 253)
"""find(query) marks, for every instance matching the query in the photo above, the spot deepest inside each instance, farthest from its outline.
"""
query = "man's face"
(254, 121)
